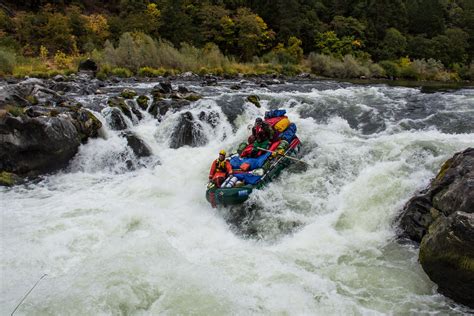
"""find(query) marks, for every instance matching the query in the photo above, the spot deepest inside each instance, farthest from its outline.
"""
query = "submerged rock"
(441, 218)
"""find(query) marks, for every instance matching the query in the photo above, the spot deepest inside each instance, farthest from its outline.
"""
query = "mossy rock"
(255, 99)
(142, 102)
(8, 179)
(118, 102)
(14, 110)
(32, 99)
(128, 94)
(193, 97)
(447, 256)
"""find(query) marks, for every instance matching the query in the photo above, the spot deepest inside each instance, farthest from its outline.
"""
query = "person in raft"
(220, 169)
(262, 133)
(262, 126)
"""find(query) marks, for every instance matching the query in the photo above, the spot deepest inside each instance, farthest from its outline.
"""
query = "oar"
(286, 156)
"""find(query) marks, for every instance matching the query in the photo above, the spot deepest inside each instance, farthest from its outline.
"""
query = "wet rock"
(183, 90)
(441, 217)
(37, 145)
(255, 99)
(138, 146)
(447, 256)
(232, 107)
(142, 102)
(35, 111)
(212, 118)
(235, 87)
(114, 119)
(187, 132)
(118, 102)
(137, 113)
(166, 87)
(9, 179)
(161, 107)
(86, 124)
(210, 81)
(451, 190)
(59, 78)
(128, 94)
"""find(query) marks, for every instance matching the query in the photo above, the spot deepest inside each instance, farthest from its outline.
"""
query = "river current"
(319, 241)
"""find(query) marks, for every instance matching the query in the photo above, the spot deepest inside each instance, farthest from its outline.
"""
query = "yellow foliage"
(404, 62)
(152, 11)
(356, 43)
(98, 24)
(43, 53)
(62, 61)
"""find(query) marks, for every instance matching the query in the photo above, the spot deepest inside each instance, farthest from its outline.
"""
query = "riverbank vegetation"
(417, 39)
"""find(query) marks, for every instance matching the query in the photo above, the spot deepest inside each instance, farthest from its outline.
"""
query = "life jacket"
(220, 165)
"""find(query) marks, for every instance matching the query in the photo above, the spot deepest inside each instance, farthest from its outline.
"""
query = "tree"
(393, 46)
(252, 34)
(329, 43)
(349, 26)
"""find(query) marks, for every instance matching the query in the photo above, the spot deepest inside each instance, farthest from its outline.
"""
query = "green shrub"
(348, 67)
(467, 72)
(121, 72)
(7, 61)
(151, 72)
(391, 68)
(376, 71)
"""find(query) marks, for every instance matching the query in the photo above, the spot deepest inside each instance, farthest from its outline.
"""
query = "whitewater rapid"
(320, 241)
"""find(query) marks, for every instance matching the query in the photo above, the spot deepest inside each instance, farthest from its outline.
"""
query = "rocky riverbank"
(441, 219)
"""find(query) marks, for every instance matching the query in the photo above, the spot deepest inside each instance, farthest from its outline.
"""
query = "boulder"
(232, 107)
(128, 94)
(166, 87)
(451, 190)
(255, 99)
(35, 145)
(441, 218)
(161, 107)
(88, 65)
(118, 102)
(138, 146)
(188, 132)
(447, 256)
(142, 102)
(114, 119)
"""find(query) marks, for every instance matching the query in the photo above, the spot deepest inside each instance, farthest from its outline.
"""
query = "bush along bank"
(137, 54)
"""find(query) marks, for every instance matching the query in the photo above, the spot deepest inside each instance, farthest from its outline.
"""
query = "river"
(319, 241)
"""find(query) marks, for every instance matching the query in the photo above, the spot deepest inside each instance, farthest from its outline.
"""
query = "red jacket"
(222, 166)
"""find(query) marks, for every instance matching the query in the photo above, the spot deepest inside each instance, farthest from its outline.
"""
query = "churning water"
(319, 241)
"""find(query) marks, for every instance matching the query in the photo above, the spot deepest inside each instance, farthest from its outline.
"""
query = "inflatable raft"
(261, 170)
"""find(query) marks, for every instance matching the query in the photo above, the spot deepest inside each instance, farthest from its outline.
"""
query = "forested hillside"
(415, 39)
